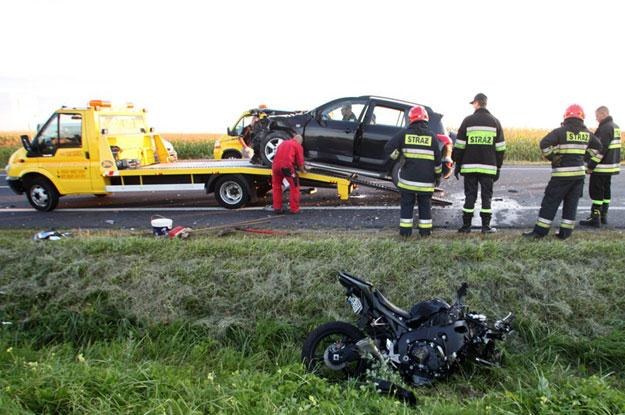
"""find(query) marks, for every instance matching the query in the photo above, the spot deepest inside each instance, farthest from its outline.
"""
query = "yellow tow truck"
(101, 149)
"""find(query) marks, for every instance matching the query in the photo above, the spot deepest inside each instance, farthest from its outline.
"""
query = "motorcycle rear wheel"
(318, 341)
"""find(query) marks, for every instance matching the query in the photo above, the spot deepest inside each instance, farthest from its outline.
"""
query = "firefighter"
(566, 148)
(420, 171)
(478, 153)
(601, 178)
(289, 159)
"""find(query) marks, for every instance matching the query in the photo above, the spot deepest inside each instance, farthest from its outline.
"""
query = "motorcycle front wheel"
(333, 336)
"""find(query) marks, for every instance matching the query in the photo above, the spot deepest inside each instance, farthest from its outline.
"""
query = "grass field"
(134, 325)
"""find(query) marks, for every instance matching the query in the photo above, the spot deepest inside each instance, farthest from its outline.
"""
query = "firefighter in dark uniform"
(478, 153)
(566, 147)
(421, 170)
(599, 187)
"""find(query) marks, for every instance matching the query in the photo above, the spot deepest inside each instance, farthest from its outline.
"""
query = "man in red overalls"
(288, 160)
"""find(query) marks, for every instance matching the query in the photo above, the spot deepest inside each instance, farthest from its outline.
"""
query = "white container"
(161, 225)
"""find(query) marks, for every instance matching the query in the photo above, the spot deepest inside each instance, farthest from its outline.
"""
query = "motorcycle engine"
(424, 362)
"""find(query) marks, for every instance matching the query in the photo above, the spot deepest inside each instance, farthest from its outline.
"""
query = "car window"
(388, 116)
(344, 111)
(70, 130)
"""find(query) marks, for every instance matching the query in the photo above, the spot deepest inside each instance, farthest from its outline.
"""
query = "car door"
(330, 136)
(382, 122)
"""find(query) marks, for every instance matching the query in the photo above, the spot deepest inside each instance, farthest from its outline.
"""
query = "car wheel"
(395, 171)
(42, 195)
(232, 192)
(231, 154)
(269, 146)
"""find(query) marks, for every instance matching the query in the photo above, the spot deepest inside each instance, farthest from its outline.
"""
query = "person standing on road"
(599, 187)
(421, 169)
(566, 148)
(478, 153)
(289, 159)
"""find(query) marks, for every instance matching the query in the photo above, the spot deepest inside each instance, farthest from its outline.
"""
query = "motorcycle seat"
(392, 307)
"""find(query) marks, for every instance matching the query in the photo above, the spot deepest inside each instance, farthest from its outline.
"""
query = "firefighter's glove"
(497, 175)
(395, 154)
(457, 171)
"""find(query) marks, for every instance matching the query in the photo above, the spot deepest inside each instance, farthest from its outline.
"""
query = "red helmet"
(418, 113)
(574, 111)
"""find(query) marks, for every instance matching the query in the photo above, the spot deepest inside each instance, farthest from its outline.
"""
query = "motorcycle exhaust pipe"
(367, 346)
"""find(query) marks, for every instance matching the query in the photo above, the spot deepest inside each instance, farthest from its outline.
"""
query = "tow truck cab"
(77, 149)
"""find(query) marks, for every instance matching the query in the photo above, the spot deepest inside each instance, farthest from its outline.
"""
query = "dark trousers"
(599, 189)
(407, 202)
(559, 190)
(471, 182)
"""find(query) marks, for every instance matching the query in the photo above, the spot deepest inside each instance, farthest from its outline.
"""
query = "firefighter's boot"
(564, 233)
(424, 233)
(466, 222)
(486, 223)
(604, 213)
(594, 219)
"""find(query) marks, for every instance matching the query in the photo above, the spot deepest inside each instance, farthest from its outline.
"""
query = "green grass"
(112, 324)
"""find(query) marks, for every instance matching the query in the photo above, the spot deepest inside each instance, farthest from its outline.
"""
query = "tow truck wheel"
(42, 195)
(269, 145)
(232, 192)
(231, 154)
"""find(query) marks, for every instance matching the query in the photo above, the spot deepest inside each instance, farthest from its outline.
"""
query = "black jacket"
(610, 135)
(566, 147)
(480, 145)
(420, 149)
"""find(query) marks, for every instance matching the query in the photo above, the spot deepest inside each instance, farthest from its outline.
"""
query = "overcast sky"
(196, 65)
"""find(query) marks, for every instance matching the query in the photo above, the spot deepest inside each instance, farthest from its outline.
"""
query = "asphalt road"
(516, 202)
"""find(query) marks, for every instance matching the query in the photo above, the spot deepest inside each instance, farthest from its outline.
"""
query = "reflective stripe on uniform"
(425, 223)
(543, 223)
(616, 143)
(461, 144)
(415, 186)
(501, 146)
(478, 168)
(405, 223)
(606, 201)
(486, 210)
(568, 171)
(568, 224)
(438, 169)
(597, 202)
(413, 153)
(607, 168)
(547, 150)
(465, 210)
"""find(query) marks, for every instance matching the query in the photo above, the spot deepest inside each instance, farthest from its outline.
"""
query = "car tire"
(395, 171)
(231, 154)
(232, 191)
(42, 195)
(269, 145)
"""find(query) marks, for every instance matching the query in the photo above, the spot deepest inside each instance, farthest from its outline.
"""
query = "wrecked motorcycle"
(422, 345)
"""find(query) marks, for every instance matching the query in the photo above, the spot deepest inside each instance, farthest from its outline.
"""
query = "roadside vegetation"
(522, 145)
(111, 323)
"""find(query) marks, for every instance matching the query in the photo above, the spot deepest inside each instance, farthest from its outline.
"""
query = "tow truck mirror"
(229, 131)
(26, 143)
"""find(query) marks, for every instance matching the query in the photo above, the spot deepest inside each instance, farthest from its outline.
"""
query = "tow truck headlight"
(217, 144)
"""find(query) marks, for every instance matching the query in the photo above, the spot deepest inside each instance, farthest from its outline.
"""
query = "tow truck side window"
(243, 122)
(61, 131)
(48, 136)
(70, 131)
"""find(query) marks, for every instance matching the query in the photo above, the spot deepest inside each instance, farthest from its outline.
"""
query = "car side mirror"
(26, 143)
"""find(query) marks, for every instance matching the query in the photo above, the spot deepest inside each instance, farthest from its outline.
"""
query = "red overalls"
(289, 156)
